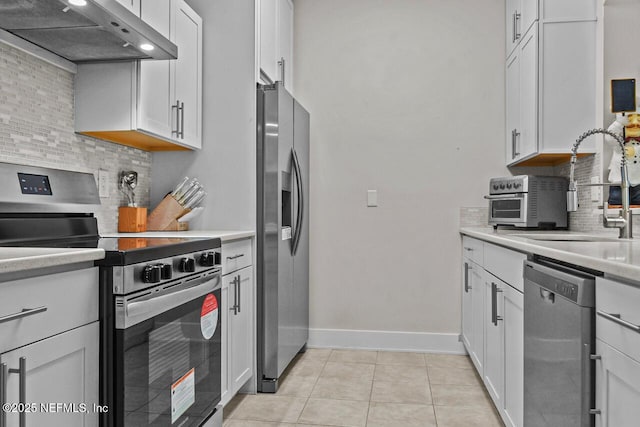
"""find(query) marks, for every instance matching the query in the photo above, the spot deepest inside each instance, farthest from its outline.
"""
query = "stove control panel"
(135, 277)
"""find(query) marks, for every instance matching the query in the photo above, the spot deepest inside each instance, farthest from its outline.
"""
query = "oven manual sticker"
(209, 316)
(183, 394)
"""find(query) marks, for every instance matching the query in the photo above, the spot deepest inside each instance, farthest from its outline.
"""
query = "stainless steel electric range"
(160, 331)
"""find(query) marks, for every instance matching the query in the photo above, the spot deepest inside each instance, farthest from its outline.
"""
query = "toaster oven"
(528, 201)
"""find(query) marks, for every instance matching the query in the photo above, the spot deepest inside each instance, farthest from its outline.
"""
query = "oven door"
(167, 364)
(508, 209)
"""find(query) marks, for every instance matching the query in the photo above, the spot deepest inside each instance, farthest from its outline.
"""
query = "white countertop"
(224, 235)
(24, 258)
(614, 256)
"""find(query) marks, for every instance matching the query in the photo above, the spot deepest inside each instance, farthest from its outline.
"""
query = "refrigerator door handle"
(300, 194)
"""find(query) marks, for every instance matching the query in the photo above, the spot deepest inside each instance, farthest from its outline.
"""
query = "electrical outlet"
(596, 191)
(103, 183)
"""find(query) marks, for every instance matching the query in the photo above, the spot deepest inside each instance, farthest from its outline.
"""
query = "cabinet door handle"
(514, 143)
(466, 277)
(3, 394)
(468, 249)
(181, 135)
(235, 296)
(24, 313)
(177, 129)
(22, 388)
(494, 304)
(239, 293)
(516, 18)
(235, 256)
(615, 318)
(281, 64)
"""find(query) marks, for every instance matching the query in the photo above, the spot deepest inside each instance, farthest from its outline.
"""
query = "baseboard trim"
(386, 340)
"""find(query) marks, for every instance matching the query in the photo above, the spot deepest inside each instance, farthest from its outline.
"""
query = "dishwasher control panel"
(567, 290)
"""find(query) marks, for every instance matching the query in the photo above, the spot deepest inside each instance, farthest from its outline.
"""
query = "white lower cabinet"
(618, 348)
(493, 323)
(477, 315)
(473, 301)
(494, 338)
(240, 365)
(61, 369)
(49, 351)
(238, 314)
(513, 402)
(618, 388)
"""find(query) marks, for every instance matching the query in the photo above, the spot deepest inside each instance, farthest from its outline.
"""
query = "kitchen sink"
(565, 237)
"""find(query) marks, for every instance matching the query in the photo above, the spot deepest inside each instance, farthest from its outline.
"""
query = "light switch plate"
(103, 183)
(372, 198)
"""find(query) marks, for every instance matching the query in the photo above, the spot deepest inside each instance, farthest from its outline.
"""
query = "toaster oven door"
(508, 209)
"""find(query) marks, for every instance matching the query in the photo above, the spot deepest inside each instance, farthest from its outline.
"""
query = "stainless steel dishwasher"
(558, 342)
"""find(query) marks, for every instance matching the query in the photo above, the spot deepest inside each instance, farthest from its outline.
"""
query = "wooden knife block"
(132, 219)
(165, 216)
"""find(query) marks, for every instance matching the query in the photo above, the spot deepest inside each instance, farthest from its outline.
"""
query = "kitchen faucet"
(624, 221)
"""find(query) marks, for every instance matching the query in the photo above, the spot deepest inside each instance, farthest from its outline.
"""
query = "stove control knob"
(166, 271)
(502, 186)
(207, 259)
(151, 274)
(516, 185)
(495, 186)
(509, 185)
(188, 265)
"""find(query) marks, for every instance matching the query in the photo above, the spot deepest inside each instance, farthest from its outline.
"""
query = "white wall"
(406, 97)
(226, 165)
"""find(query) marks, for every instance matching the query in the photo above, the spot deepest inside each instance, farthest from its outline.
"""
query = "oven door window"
(506, 209)
(170, 370)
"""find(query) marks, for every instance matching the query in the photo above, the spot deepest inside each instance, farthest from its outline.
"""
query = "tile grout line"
(324, 364)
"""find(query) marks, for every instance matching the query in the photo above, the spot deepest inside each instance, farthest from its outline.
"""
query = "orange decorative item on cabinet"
(132, 219)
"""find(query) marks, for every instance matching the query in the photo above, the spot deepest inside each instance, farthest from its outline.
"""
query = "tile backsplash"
(37, 129)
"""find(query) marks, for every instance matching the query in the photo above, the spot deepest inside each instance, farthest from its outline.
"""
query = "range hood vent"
(99, 30)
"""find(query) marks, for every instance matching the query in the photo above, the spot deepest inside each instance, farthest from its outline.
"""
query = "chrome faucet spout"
(623, 221)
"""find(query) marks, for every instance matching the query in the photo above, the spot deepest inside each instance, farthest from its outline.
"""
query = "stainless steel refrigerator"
(283, 232)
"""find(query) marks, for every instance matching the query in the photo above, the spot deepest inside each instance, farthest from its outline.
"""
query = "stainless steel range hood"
(99, 30)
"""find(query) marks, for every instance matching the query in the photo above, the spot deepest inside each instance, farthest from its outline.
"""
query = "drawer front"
(620, 300)
(506, 264)
(236, 254)
(473, 249)
(70, 298)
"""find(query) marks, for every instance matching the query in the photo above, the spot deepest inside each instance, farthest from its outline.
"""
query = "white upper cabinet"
(550, 80)
(520, 16)
(276, 41)
(132, 5)
(147, 104)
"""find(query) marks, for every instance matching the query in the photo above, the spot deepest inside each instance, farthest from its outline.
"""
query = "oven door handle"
(155, 305)
(505, 196)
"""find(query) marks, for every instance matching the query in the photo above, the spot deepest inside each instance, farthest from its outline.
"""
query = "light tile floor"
(325, 387)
